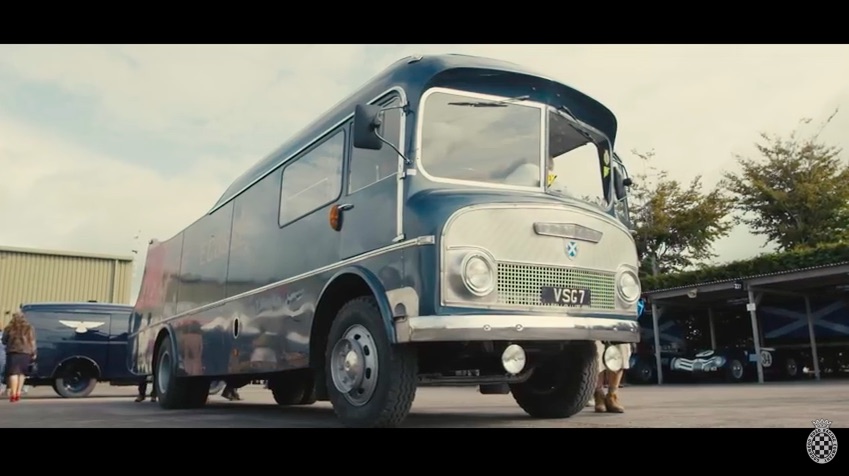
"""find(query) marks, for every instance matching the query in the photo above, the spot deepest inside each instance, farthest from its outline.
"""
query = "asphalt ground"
(668, 406)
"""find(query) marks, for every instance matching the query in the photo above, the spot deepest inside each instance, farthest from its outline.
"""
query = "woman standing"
(19, 339)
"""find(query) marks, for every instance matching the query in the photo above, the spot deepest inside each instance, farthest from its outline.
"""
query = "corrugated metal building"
(28, 275)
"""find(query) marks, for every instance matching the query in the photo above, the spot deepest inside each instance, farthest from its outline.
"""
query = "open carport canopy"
(820, 281)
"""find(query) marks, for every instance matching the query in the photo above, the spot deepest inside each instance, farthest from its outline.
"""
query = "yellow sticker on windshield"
(605, 171)
(550, 179)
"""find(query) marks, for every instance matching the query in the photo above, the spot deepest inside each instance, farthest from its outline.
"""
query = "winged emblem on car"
(81, 327)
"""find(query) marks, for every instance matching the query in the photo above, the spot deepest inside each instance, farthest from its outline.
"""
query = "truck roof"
(414, 74)
(75, 306)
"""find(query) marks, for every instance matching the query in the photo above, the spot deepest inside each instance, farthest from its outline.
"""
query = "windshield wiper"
(503, 103)
(578, 125)
(568, 112)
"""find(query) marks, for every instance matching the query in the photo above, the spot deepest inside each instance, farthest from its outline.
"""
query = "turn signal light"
(335, 218)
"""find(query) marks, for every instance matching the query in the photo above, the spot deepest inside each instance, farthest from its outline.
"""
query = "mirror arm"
(407, 161)
(406, 109)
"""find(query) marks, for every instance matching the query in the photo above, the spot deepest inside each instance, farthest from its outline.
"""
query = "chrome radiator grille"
(520, 284)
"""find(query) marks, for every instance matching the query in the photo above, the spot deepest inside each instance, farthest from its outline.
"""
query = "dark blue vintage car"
(456, 220)
(80, 344)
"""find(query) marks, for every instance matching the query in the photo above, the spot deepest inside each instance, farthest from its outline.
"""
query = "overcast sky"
(99, 144)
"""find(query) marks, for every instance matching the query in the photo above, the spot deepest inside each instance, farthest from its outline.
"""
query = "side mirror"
(366, 123)
(620, 183)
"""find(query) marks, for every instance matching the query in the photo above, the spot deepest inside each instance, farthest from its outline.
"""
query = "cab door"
(369, 205)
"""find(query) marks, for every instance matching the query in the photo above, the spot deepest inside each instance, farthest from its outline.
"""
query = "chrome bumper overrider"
(514, 327)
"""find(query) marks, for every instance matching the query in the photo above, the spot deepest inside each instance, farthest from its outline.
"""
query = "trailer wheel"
(370, 382)
(76, 379)
(560, 387)
(174, 392)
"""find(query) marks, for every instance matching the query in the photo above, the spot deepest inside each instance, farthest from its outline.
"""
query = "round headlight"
(629, 286)
(613, 358)
(478, 274)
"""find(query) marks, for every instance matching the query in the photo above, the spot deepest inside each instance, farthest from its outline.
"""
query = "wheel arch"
(347, 284)
(74, 358)
(166, 334)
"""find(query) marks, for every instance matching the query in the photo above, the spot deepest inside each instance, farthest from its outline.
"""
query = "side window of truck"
(371, 166)
(312, 180)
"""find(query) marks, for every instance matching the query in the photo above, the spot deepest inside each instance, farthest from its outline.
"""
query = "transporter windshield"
(511, 143)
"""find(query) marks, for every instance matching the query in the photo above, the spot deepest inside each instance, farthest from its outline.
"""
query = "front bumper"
(514, 327)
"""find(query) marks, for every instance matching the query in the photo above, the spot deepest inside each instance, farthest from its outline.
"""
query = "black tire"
(293, 388)
(791, 368)
(75, 380)
(643, 373)
(176, 392)
(735, 371)
(394, 385)
(560, 387)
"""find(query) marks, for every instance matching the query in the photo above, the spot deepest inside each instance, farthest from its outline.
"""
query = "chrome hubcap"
(791, 367)
(353, 365)
(163, 372)
(737, 369)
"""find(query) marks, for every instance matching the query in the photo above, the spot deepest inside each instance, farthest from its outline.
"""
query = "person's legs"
(230, 393)
(142, 391)
(612, 399)
(13, 386)
(598, 396)
(20, 386)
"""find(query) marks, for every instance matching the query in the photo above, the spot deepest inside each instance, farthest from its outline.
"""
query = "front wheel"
(370, 382)
(560, 387)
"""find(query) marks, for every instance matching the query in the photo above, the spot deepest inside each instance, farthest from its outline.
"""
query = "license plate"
(565, 296)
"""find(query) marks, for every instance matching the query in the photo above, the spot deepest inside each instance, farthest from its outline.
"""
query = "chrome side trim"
(487, 97)
(402, 167)
(309, 144)
(420, 241)
(514, 327)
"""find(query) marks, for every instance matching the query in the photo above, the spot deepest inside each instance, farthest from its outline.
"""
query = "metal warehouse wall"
(28, 276)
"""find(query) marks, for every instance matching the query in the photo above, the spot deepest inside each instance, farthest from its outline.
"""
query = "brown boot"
(600, 406)
(612, 399)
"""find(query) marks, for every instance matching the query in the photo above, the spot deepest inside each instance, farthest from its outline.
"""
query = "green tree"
(797, 193)
(675, 224)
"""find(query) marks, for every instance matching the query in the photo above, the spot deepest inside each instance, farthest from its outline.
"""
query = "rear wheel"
(76, 379)
(174, 392)
(370, 382)
(562, 386)
(293, 388)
